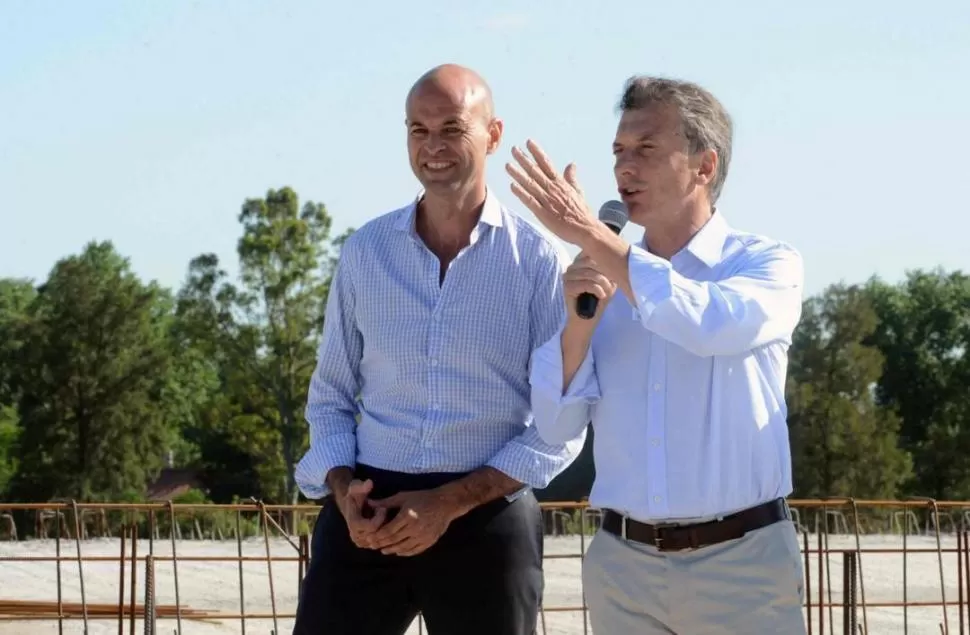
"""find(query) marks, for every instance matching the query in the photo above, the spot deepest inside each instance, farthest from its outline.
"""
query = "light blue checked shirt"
(686, 389)
(439, 375)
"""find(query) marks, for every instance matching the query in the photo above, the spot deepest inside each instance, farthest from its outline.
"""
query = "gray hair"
(706, 123)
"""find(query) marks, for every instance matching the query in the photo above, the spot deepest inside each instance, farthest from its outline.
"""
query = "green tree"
(924, 335)
(843, 442)
(15, 298)
(90, 377)
(9, 432)
(264, 331)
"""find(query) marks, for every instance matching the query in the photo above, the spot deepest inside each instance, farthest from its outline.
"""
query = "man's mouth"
(437, 166)
(626, 192)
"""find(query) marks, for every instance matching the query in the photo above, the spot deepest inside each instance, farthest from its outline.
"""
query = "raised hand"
(556, 200)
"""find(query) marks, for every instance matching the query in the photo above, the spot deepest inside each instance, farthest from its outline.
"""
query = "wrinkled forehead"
(652, 121)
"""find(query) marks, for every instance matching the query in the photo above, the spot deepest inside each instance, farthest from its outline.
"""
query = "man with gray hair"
(682, 374)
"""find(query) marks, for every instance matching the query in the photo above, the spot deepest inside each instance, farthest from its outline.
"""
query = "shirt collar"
(707, 245)
(491, 213)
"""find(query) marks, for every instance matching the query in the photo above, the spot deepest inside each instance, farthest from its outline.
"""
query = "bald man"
(433, 314)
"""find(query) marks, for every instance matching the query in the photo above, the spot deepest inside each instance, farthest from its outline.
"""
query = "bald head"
(459, 85)
(451, 131)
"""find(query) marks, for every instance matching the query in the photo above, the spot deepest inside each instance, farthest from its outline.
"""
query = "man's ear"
(707, 163)
(495, 129)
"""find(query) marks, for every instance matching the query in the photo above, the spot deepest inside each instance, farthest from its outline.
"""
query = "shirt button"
(655, 442)
(656, 499)
(656, 386)
(434, 362)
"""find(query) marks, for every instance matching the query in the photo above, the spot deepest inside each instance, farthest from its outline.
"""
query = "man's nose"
(434, 144)
(624, 166)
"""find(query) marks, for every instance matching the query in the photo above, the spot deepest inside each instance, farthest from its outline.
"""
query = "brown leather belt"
(673, 537)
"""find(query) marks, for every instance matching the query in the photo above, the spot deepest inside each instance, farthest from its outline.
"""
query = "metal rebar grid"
(838, 525)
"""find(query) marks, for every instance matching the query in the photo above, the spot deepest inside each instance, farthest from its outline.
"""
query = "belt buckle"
(659, 527)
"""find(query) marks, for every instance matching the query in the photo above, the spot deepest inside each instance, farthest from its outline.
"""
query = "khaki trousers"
(753, 585)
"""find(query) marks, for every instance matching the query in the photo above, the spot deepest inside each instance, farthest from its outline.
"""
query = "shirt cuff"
(530, 465)
(650, 280)
(338, 450)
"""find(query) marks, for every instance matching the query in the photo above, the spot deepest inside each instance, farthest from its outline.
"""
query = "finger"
(526, 182)
(406, 547)
(570, 175)
(360, 488)
(589, 287)
(583, 272)
(391, 532)
(421, 548)
(527, 199)
(396, 500)
(406, 532)
(529, 167)
(373, 523)
(542, 159)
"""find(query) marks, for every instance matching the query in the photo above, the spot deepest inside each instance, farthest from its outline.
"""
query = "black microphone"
(613, 214)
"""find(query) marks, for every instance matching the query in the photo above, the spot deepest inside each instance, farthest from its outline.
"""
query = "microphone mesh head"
(614, 213)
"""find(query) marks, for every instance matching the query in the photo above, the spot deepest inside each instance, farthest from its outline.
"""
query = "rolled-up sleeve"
(561, 414)
(332, 400)
(759, 303)
(532, 458)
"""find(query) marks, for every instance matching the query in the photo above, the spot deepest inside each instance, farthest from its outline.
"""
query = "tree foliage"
(89, 378)
(265, 329)
(843, 442)
(106, 379)
(923, 330)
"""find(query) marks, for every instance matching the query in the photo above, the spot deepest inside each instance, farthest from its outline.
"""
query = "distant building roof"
(173, 482)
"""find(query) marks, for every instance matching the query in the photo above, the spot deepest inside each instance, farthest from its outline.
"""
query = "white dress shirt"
(438, 374)
(685, 390)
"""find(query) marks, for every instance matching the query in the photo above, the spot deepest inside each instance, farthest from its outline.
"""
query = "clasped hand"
(421, 520)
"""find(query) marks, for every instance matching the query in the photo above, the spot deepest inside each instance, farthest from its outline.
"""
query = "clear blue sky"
(148, 123)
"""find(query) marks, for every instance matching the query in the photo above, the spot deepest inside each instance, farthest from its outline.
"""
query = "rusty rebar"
(134, 576)
(939, 558)
(175, 568)
(582, 552)
(121, 585)
(80, 566)
(149, 607)
(269, 564)
(242, 592)
(808, 584)
(60, 588)
(828, 568)
(862, 578)
(283, 532)
(966, 566)
(821, 585)
(960, 580)
(849, 563)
